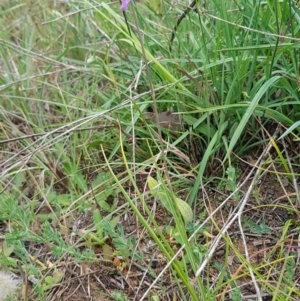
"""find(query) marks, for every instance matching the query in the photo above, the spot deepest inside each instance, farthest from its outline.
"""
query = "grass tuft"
(149, 154)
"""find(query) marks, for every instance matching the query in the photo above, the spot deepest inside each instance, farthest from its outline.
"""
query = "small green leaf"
(80, 181)
(57, 276)
(19, 179)
(49, 280)
(7, 249)
(107, 252)
(97, 217)
(54, 279)
(154, 188)
(185, 210)
(105, 206)
(64, 200)
(153, 185)
(108, 228)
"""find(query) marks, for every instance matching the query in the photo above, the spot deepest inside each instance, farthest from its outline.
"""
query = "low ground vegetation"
(150, 153)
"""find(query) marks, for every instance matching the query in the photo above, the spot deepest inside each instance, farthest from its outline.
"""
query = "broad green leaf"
(80, 181)
(19, 179)
(153, 185)
(184, 208)
(107, 252)
(154, 188)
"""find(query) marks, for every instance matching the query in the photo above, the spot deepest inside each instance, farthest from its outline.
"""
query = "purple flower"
(124, 4)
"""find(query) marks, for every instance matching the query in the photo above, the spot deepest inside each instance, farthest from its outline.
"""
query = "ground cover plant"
(149, 150)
